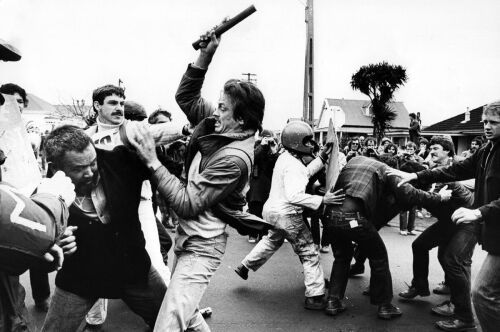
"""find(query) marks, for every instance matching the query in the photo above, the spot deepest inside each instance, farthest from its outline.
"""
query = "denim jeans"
(67, 310)
(456, 261)
(196, 261)
(369, 241)
(486, 294)
(294, 229)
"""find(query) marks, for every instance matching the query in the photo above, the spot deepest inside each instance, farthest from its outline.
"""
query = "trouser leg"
(263, 250)
(411, 219)
(486, 294)
(66, 311)
(433, 236)
(145, 300)
(40, 287)
(370, 241)
(13, 313)
(197, 261)
(165, 241)
(457, 261)
(342, 249)
(300, 238)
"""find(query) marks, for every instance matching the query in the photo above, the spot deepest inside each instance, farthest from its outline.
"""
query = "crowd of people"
(112, 190)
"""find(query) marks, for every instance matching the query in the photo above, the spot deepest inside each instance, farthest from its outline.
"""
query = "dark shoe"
(92, 328)
(442, 289)
(388, 311)
(445, 309)
(455, 325)
(315, 302)
(334, 306)
(356, 269)
(42, 305)
(366, 291)
(206, 312)
(413, 292)
(242, 271)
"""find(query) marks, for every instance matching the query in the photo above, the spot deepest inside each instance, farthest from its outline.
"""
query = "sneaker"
(404, 233)
(324, 249)
(252, 239)
(315, 302)
(334, 306)
(455, 325)
(388, 311)
(206, 312)
(356, 269)
(242, 271)
(413, 232)
(442, 289)
(445, 309)
(420, 215)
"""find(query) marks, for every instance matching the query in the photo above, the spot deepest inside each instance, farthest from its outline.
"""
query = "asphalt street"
(272, 298)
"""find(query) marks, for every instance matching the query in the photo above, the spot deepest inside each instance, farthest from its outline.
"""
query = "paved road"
(272, 299)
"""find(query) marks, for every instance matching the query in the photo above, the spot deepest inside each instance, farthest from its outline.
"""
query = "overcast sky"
(450, 48)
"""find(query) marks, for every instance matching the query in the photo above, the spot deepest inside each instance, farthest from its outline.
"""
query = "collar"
(104, 126)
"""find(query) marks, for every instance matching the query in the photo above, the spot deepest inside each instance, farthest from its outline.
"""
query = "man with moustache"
(111, 260)
(484, 166)
(456, 245)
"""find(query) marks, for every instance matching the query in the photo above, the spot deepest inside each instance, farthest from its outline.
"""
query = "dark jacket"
(113, 255)
(262, 173)
(484, 166)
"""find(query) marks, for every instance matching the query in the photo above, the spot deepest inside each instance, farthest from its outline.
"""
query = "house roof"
(457, 125)
(38, 104)
(355, 113)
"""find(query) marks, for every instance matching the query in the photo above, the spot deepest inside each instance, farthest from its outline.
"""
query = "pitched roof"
(457, 124)
(355, 113)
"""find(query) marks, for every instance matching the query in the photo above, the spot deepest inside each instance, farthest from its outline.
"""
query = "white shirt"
(289, 181)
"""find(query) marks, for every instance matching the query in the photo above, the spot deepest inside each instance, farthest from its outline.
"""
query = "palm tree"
(378, 82)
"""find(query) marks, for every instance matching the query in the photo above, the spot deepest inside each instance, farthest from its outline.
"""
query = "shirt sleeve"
(295, 182)
(202, 191)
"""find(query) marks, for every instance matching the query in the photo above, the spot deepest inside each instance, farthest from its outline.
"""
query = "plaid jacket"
(366, 179)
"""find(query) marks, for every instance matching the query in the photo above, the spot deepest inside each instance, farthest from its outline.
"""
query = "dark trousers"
(407, 219)
(455, 248)
(316, 232)
(369, 241)
(13, 313)
(165, 241)
(40, 288)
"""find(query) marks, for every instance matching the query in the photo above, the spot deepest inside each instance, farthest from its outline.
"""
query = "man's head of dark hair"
(158, 112)
(445, 142)
(101, 93)
(63, 139)
(248, 102)
(11, 88)
(413, 116)
(134, 111)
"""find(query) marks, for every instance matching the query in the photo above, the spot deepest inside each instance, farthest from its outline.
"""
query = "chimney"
(467, 116)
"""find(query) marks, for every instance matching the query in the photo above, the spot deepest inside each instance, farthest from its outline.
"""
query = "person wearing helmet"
(284, 207)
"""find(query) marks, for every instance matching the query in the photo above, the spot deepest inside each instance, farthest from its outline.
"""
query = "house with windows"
(353, 117)
(462, 128)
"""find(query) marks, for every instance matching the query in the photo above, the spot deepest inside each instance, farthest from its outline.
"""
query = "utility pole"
(308, 107)
(251, 78)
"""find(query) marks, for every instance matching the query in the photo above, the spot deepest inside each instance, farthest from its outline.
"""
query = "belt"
(341, 219)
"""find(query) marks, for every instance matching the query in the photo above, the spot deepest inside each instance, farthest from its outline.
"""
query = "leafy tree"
(378, 82)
